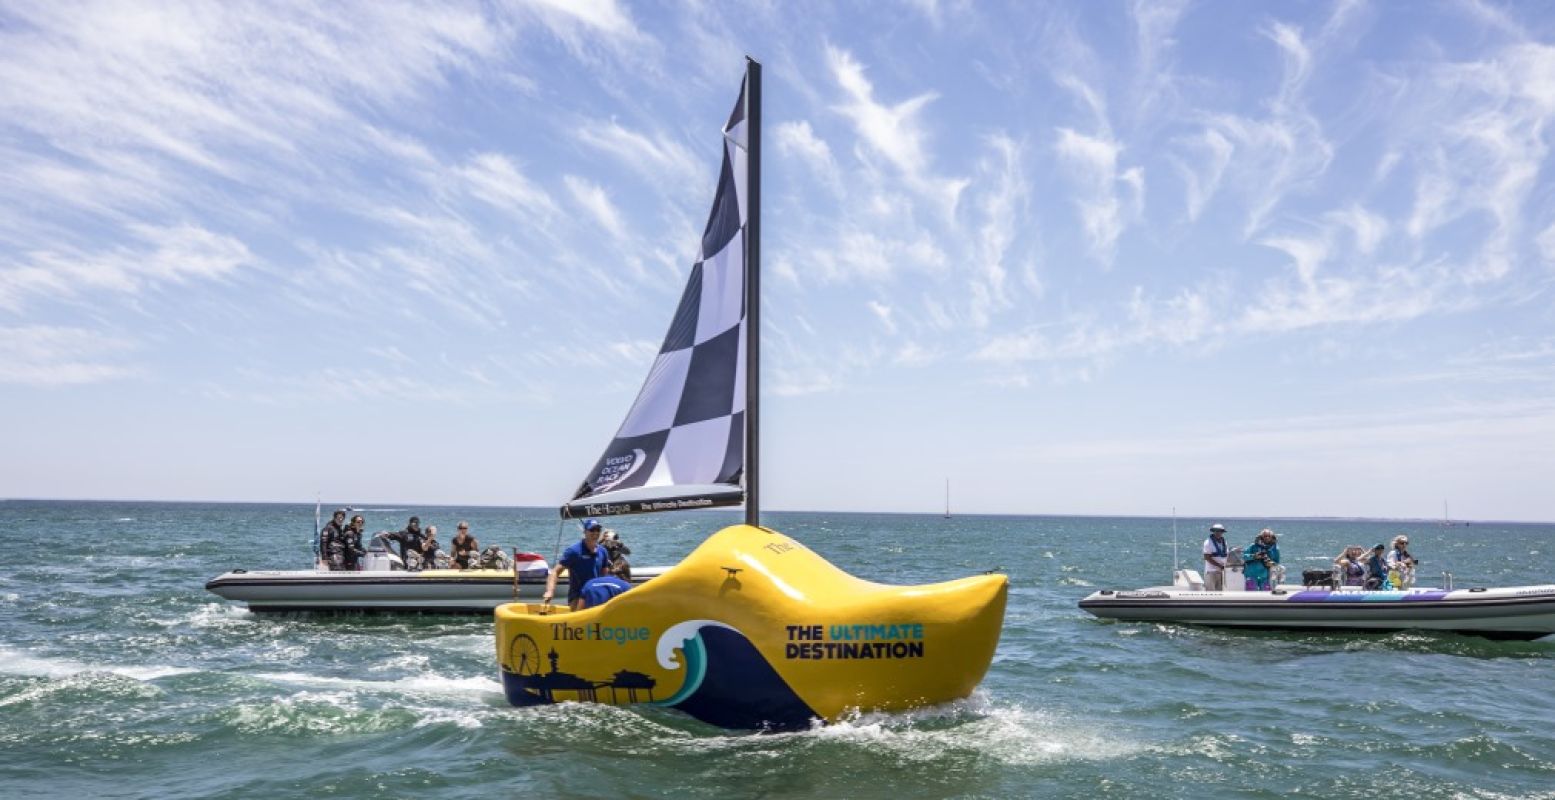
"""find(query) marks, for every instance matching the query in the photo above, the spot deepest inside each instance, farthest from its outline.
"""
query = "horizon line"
(409, 505)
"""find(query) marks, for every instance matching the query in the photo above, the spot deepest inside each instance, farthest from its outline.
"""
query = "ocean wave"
(424, 684)
(14, 662)
(1010, 734)
(80, 687)
(315, 712)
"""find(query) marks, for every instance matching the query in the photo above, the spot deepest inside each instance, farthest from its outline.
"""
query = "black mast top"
(753, 292)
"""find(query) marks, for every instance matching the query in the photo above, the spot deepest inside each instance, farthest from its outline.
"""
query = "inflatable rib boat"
(1517, 612)
(449, 591)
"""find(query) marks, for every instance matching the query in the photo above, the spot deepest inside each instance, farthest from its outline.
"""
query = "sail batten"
(687, 425)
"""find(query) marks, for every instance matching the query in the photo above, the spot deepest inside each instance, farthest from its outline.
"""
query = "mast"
(753, 293)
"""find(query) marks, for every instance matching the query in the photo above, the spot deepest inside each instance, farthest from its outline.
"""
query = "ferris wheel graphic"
(524, 655)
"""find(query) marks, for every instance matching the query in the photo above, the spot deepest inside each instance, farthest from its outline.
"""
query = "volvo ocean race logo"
(618, 469)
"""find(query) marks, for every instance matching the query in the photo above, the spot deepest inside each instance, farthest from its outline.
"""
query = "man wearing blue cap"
(584, 561)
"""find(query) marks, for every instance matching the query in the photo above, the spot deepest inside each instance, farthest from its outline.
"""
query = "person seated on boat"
(1399, 560)
(600, 590)
(584, 561)
(1351, 573)
(432, 555)
(621, 568)
(1376, 568)
(1261, 556)
(411, 540)
(465, 549)
(1348, 564)
(1215, 559)
(332, 530)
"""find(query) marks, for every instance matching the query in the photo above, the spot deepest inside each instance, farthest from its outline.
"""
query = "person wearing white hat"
(1215, 559)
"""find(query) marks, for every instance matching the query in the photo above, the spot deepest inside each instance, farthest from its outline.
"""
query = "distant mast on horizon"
(947, 498)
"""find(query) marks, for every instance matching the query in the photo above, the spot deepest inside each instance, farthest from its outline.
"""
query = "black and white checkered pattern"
(687, 425)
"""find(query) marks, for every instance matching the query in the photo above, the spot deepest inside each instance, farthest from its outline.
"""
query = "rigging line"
(557, 559)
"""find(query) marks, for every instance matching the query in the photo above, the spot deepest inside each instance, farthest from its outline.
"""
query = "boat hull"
(754, 630)
(1520, 612)
(432, 591)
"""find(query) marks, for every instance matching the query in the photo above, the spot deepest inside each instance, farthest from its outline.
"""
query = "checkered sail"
(682, 445)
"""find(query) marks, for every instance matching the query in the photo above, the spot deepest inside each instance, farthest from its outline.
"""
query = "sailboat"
(752, 629)
(947, 498)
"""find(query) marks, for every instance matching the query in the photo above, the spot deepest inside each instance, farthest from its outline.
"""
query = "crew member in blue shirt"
(600, 590)
(584, 561)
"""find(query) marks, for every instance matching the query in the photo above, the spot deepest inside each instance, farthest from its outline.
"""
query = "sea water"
(121, 677)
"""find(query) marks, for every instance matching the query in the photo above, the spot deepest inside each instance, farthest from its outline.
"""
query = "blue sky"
(1232, 258)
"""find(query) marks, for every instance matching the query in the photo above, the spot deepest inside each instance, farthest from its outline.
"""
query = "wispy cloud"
(654, 156)
(882, 312)
(1484, 149)
(892, 132)
(795, 139)
(159, 255)
(593, 199)
(44, 355)
(495, 179)
(1202, 164)
(603, 16)
(1108, 199)
(1188, 316)
(1004, 210)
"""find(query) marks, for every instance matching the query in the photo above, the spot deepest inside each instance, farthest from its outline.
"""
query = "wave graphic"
(728, 681)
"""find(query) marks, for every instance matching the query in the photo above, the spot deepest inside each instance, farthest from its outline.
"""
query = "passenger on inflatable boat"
(584, 561)
(1351, 571)
(465, 549)
(1215, 558)
(431, 555)
(1376, 569)
(1261, 556)
(345, 551)
(411, 540)
(1401, 562)
(332, 531)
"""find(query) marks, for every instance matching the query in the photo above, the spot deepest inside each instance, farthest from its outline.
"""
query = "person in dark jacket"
(411, 540)
(616, 552)
(345, 551)
(1376, 568)
(352, 551)
(332, 531)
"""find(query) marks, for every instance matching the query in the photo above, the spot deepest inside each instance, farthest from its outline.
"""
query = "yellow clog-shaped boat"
(755, 630)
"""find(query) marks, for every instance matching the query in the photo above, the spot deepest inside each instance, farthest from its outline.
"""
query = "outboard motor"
(379, 558)
(1235, 580)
